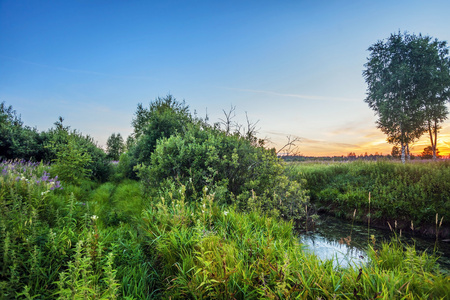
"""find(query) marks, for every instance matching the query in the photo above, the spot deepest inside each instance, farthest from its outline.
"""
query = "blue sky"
(294, 66)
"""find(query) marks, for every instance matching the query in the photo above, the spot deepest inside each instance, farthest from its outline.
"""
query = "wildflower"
(44, 193)
(225, 213)
(94, 218)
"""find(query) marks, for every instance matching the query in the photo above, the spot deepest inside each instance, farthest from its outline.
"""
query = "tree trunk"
(407, 152)
(431, 137)
(435, 141)
(403, 152)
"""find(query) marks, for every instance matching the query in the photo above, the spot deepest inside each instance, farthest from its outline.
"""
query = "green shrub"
(241, 173)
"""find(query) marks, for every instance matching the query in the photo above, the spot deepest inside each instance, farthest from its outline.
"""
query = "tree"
(165, 117)
(389, 75)
(408, 84)
(395, 152)
(115, 146)
(431, 82)
(16, 139)
(428, 153)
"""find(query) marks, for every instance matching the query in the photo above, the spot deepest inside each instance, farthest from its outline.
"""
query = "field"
(109, 241)
(415, 195)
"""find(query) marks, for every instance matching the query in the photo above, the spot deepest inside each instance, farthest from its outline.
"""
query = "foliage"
(67, 146)
(68, 247)
(239, 172)
(17, 141)
(408, 79)
(165, 117)
(51, 245)
(210, 252)
(395, 153)
(427, 153)
(414, 192)
(71, 162)
(115, 146)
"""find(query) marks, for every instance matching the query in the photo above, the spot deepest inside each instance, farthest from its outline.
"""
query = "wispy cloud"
(353, 127)
(298, 96)
(70, 70)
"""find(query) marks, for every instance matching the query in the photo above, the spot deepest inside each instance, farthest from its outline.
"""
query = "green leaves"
(408, 79)
(71, 161)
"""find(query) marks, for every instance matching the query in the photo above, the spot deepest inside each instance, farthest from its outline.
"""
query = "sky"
(294, 67)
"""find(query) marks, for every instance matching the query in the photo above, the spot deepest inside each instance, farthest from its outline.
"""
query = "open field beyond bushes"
(412, 192)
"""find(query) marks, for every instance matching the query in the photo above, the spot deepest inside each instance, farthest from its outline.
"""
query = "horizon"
(295, 67)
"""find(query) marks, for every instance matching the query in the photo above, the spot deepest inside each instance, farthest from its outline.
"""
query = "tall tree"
(431, 82)
(115, 146)
(408, 86)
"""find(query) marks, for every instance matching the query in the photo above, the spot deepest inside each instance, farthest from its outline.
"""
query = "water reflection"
(346, 244)
(341, 253)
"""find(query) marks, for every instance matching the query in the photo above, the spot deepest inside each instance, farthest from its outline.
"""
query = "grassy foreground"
(109, 242)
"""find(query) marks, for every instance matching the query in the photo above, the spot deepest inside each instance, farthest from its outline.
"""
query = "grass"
(407, 193)
(108, 242)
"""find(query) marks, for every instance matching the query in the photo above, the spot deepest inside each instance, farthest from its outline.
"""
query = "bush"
(241, 173)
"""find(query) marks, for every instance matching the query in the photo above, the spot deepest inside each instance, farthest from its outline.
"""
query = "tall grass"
(206, 251)
(410, 192)
(109, 242)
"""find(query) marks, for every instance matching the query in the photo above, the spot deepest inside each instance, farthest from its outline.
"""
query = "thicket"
(77, 155)
(413, 192)
(175, 148)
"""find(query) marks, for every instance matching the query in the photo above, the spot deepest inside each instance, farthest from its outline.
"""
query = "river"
(330, 240)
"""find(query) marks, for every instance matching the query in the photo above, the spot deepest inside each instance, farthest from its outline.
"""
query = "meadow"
(108, 241)
(414, 195)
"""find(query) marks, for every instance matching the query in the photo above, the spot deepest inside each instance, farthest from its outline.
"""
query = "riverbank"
(347, 243)
(415, 197)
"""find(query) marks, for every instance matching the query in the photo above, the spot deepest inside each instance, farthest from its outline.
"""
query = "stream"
(330, 240)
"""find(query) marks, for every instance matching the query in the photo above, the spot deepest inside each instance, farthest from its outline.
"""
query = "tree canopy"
(408, 78)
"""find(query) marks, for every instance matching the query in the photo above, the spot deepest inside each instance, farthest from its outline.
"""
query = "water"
(330, 240)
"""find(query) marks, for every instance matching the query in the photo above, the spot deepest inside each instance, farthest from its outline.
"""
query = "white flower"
(44, 193)
(204, 205)
(225, 213)
(94, 217)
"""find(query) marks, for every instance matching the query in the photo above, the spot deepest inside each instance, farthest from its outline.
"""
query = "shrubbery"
(412, 192)
(196, 155)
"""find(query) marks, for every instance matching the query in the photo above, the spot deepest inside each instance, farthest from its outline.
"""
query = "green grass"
(109, 242)
(410, 192)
